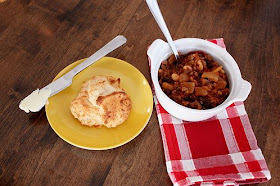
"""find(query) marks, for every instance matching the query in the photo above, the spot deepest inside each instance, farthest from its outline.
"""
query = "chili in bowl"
(195, 81)
(203, 83)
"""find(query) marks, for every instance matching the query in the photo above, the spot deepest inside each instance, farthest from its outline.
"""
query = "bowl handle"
(155, 47)
(244, 90)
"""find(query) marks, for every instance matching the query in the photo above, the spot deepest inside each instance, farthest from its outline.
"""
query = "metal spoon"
(154, 8)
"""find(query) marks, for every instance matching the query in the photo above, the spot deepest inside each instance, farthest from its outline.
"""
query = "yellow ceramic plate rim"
(70, 67)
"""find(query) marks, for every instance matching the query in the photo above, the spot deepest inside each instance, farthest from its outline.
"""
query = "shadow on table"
(38, 118)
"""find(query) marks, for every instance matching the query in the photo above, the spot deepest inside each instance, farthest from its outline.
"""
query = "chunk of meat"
(199, 91)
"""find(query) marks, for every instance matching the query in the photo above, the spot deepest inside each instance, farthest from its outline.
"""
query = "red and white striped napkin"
(222, 150)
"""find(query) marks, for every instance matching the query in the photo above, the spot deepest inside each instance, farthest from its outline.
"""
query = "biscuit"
(100, 102)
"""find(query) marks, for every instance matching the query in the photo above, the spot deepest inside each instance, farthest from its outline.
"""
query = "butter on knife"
(35, 101)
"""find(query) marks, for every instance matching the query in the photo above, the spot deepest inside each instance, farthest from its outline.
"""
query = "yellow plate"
(70, 129)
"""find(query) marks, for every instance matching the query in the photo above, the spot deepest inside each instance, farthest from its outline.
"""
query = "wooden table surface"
(40, 37)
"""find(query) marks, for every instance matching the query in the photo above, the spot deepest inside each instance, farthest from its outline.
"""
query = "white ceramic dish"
(239, 88)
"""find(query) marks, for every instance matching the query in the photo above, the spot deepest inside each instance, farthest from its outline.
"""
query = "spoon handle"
(154, 8)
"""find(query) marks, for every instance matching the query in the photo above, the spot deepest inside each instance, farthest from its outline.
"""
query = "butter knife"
(38, 98)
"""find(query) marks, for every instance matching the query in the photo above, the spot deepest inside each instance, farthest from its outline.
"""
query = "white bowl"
(239, 88)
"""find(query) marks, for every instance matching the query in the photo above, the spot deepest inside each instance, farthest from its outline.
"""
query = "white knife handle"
(109, 47)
